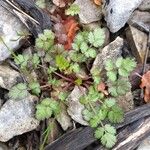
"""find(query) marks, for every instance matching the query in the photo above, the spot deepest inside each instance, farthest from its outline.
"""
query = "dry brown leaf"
(145, 83)
(102, 88)
(71, 27)
(98, 2)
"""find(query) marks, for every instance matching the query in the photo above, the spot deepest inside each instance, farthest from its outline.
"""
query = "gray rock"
(111, 51)
(64, 119)
(89, 12)
(145, 5)
(138, 43)
(117, 12)
(75, 108)
(8, 77)
(9, 27)
(140, 20)
(17, 117)
(145, 145)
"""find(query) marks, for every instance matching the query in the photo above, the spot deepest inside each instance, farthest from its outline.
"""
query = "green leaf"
(18, 91)
(110, 129)
(113, 91)
(74, 9)
(55, 107)
(97, 37)
(99, 132)
(91, 52)
(78, 81)
(51, 69)
(35, 88)
(22, 60)
(109, 65)
(123, 72)
(87, 115)
(84, 100)
(41, 114)
(84, 47)
(75, 67)
(94, 122)
(46, 102)
(129, 64)
(112, 75)
(119, 62)
(61, 62)
(35, 60)
(46, 40)
(110, 102)
(108, 140)
(115, 115)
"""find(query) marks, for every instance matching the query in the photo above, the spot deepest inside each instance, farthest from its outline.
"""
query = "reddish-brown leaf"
(71, 27)
(102, 88)
(145, 83)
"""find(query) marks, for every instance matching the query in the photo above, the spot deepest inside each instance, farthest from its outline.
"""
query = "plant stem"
(63, 77)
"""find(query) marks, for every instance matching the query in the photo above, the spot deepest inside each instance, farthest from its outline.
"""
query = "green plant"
(47, 108)
(74, 9)
(61, 72)
(100, 107)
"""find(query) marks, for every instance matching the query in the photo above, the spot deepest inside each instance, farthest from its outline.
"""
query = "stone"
(17, 117)
(117, 13)
(138, 43)
(64, 119)
(145, 145)
(10, 26)
(126, 101)
(75, 108)
(111, 51)
(89, 12)
(140, 20)
(8, 77)
(145, 5)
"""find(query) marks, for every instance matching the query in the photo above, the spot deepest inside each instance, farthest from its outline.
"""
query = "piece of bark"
(29, 7)
(81, 138)
(134, 138)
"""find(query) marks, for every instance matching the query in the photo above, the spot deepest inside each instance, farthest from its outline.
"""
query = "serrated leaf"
(87, 115)
(94, 122)
(99, 132)
(61, 62)
(109, 65)
(35, 88)
(91, 52)
(108, 140)
(110, 129)
(119, 62)
(84, 47)
(18, 91)
(110, 102)
(115, 115)
(112, 75)
(74, 9)
(113, 91)
(46, 102)
(123, 72)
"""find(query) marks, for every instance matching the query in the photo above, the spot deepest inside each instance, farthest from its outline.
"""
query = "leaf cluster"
(47, 108)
